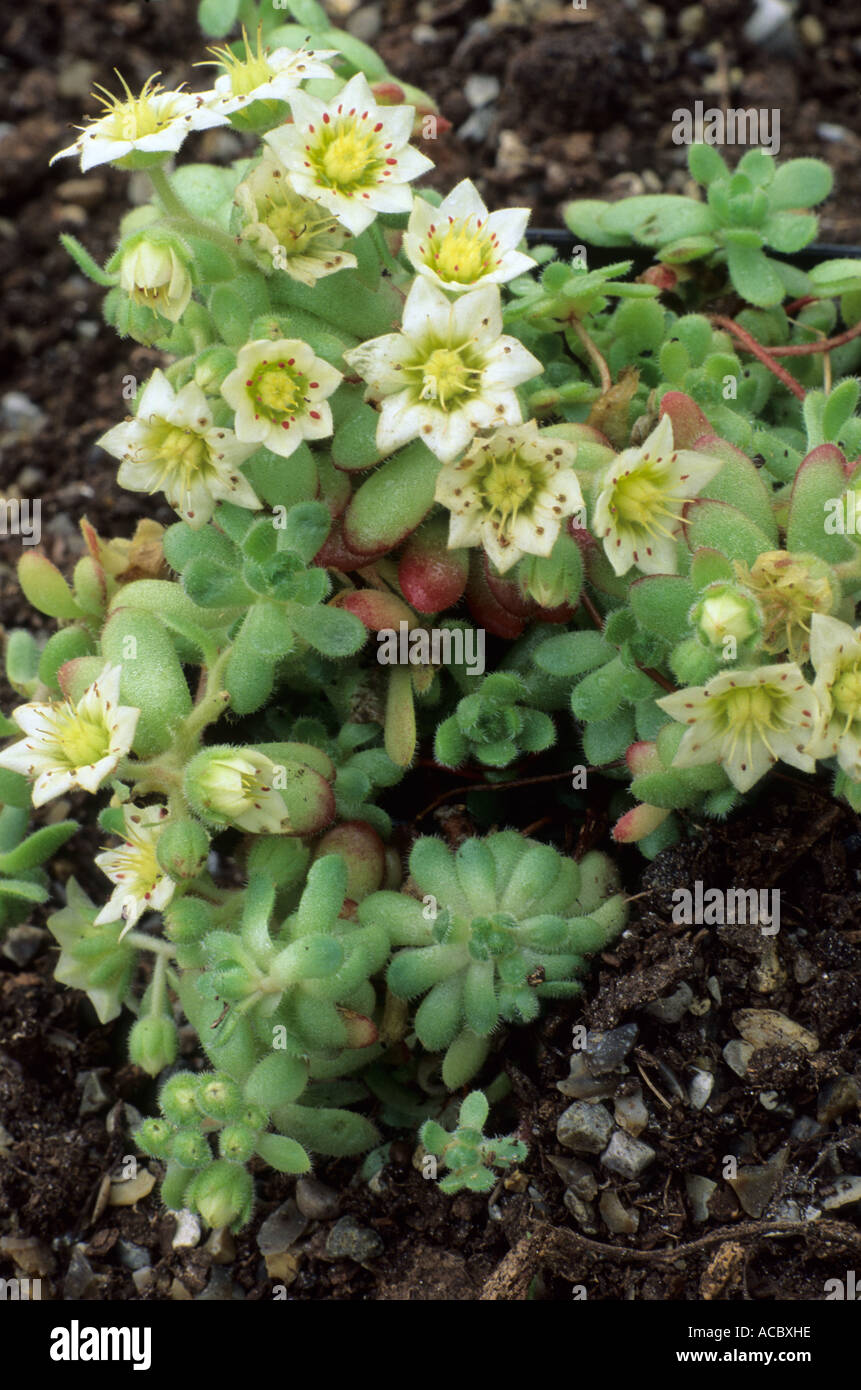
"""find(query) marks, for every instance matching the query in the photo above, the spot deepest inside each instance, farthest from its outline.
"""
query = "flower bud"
(212, 366)
(154, 1137)
(190, 1149)
(152, 274)
(236, 1143)
(223, 1194)
(219, 1097)
(725, 611)
(182, 848)
(178, 1098)
(187, 920)
(234, 786)
(153, 1044)
(692, 663)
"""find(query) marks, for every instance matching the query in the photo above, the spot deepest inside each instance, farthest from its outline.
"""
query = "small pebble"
(132, 1256)
(846, 1190)
(365, 23)
(837, 1098)
(673, 1008)
(143, 1279)
(220, 1289)
(616, 1217)
(283, 1266)
(20, 415)
(768, 1028)
(187, 1233)
(315, 1200)
(630, 1111)
(124, 1193)
(627, 1156)
(29, 1254)
(605, 1052)
(805, 1127)
(699, 1190)
(700, 1088)
(737, 1055)
(584, 1128)
(79, 1278)
(576, 1175)
(480, 89)
(580, 1084)
(755, 1186)
(348, 1240)
(94, 1096)
(282, 1229)
(583, 1212)
(23, 943)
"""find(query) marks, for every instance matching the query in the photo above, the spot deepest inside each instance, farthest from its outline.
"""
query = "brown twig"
(492, 787)
(808, 349)
(760, 353)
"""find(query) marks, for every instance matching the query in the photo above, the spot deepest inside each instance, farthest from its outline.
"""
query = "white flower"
(835, 651)
(279, 391)
(69, 746)
(351, 155)
(286, 231)
(510, 493)
(141, 884)
(449, 373)
(237, 787)
(262, 76)
(172, 445)
(138, 130)
(746, 720)
(639, 508)
(460, 245)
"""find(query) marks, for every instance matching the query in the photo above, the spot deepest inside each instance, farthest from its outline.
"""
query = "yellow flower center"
(846, 693)
(640, 498)
(136, 861)
(461, 251)
(84, 740)
(345, 156)
(134, 117)
(278, 390)
(506, 487)
(245, 73)
(446, 378)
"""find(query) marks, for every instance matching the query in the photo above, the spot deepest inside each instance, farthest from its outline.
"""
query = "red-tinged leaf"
(637, 823)
(336, 554)
(508, 593)
(361, 1031)
(431, 576)
(689, 422)
(643, 757)
(364, 853)
(376, 609)
(486, 608)
(77, 675)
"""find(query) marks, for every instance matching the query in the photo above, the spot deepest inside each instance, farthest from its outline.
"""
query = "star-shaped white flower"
(449, 373)
(460, 245)
(262, 76)
(639, 507)
(172, 445)
(351, 155)
(510, 493)
(141, 884)
(136, 131)
(279, 392)
(69, 745)
(835, 652)
(746, 721)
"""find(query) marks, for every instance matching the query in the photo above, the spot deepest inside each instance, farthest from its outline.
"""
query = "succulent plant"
(469, 1156)
(506, 923)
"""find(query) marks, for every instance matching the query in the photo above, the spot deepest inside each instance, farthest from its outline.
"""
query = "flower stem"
(597, 357)
(162, 949)
(166, 194)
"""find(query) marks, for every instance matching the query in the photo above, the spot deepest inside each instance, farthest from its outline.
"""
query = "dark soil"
(578, 115)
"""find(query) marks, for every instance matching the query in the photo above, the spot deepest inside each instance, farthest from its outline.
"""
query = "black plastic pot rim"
(565, 242)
